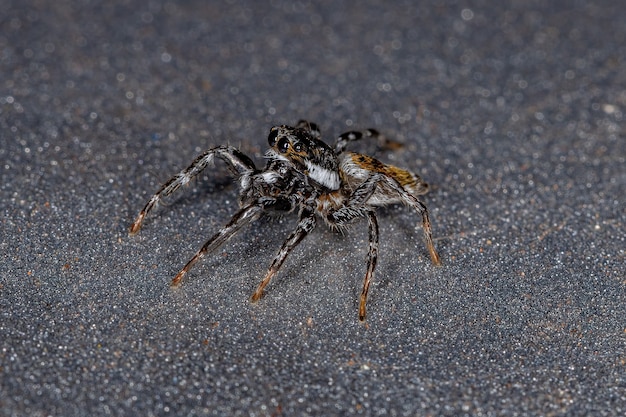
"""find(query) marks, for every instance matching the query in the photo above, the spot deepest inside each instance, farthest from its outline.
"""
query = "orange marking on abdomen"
(404, 177)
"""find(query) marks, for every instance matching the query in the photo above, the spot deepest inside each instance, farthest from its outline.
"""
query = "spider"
(306, 175)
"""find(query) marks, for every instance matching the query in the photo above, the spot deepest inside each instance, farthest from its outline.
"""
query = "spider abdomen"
(357, 168)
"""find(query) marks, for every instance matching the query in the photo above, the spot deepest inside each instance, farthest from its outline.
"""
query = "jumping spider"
(305, 174)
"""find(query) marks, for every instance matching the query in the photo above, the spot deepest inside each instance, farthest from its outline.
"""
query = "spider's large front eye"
(283, 145)
(271, 139)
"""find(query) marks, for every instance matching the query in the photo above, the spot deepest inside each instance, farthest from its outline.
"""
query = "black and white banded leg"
(345, 138)
(413, 202)
(238, 163)
(243, 217)
(372, 258)
(305, 225)
(356, 206)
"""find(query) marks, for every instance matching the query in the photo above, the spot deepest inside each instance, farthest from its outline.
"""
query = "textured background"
(512, 110)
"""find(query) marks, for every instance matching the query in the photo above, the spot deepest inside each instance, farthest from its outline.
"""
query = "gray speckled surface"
(513, 111)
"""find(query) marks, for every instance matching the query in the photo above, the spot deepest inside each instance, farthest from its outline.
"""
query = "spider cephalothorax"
(306, 174)
(308, 154)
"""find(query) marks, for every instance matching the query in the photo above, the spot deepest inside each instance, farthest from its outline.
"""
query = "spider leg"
(412, 201)
(244, 216)
(304, 227)
(372, 257)
(313, 128)
(428, 234)
(358, 203)
(237, 162)
(356, 207)
(345, 138)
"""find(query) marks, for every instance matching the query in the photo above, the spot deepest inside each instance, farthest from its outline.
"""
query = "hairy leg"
(345, 138)
(372, 257)
(357, 206)
(304, 227)
(412, 201)
(237, 162)
(243, 217)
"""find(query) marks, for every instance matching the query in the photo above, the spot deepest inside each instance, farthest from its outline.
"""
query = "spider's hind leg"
(412, 201)
(383, 141)
(372, 257)
(238, 163)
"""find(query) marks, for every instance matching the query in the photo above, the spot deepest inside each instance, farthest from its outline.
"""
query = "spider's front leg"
(243, 217)
(238, 163)
(304, 227)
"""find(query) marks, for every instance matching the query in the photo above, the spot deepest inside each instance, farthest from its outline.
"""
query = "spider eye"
(271, 139)
(283, 145)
